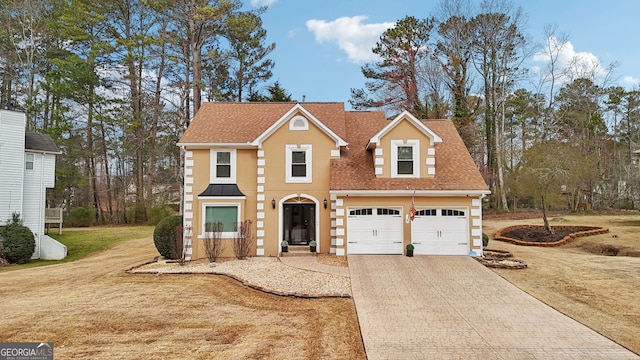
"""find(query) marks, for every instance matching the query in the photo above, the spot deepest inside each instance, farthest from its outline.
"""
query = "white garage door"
(374, 230)
(440, 232)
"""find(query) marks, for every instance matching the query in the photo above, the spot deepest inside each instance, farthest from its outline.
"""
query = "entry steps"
(299, 250)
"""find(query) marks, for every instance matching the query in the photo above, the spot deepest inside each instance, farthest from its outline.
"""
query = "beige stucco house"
(346, 179)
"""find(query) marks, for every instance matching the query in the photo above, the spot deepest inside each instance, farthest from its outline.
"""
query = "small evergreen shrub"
(18, 243)
(81, 217)
(165, 237)
(485, 240)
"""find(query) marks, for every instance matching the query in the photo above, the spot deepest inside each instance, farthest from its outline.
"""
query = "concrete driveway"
(431, 307)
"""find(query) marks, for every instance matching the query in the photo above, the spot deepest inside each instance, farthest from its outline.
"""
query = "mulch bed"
(536, 235)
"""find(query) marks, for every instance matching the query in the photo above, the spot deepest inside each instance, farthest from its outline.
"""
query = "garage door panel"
(440, 232)
(374, 231)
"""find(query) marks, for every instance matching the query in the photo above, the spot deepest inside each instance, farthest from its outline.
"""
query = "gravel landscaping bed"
(267, 274)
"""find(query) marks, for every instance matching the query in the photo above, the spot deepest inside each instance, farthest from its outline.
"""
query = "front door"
(299, 223)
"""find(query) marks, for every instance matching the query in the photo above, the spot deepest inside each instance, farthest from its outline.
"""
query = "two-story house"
(354, 181)
(28, 163)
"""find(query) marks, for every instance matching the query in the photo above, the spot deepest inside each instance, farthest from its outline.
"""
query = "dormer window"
(405, 160)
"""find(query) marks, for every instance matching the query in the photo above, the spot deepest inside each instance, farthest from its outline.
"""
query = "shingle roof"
(239, 123)
(40, 142)
(455, 169)
(244, 122)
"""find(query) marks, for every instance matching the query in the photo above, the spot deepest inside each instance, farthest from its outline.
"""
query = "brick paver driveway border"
(452, 307)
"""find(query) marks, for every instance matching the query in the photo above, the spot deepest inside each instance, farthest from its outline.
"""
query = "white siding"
(12, 129)
(33, 203)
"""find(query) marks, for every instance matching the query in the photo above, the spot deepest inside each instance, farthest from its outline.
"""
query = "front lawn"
(581, 278)
(83, 242)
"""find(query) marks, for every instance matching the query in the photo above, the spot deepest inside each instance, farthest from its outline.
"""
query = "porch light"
(273, 203)
(325, 203)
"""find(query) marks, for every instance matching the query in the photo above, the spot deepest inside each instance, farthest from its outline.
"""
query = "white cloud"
(630, 80)
(258, 3)
(353, 37)
(570, 64)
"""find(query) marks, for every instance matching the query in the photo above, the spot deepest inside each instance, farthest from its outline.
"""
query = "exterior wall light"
(273, 203)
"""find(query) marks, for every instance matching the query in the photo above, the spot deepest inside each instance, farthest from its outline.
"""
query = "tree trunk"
(91, 159)
(544, 216)
(196, 62)
(107, 174)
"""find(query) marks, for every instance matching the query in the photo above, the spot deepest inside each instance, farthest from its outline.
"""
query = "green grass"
(83, 242)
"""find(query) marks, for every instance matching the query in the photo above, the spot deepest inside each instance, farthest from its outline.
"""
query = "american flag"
(412, 208)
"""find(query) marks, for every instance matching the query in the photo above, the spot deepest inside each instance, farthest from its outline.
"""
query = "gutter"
(395, 193)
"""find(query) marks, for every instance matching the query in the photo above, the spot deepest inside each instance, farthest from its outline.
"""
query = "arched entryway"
(299, 219)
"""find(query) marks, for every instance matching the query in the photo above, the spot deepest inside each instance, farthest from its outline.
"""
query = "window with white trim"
(223, 165)
(405, 158)
(228, 215)
(298, 164)
(28, 161)
(298, 123)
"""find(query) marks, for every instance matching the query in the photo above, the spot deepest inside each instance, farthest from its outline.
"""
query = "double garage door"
(379, 230)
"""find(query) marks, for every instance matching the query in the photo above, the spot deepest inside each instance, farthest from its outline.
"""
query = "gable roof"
(40, 143)
(354, 172)
(375, 140)
(243, 124)
(286, 117)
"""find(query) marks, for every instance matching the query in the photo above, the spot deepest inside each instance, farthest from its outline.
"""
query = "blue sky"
(320, 46)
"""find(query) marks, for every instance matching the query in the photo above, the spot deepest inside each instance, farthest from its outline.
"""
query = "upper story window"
(28, 161)
(405, 160)
(298, 164)
(223, 165)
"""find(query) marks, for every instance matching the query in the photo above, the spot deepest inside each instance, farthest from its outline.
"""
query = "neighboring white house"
(27, 169)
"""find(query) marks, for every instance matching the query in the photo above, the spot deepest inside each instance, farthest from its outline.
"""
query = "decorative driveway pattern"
(451, 307)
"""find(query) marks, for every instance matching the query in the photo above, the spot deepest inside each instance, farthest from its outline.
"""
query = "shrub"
(165, 237)
(157, 213)
(243, 240)
(213, 245)
(81, 217)
(485, 240)
(18, 243)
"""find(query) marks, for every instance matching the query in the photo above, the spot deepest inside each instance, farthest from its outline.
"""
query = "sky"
(322, 45)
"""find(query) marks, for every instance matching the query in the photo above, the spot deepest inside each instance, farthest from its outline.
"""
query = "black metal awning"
(222, 190)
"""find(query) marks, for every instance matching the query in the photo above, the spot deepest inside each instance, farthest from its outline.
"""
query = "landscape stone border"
(592, 230)
(504, 263)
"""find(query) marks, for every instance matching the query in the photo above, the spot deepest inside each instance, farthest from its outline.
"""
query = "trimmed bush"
(485, 240)
(165, 236)
(81, 217)
(18, 243)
